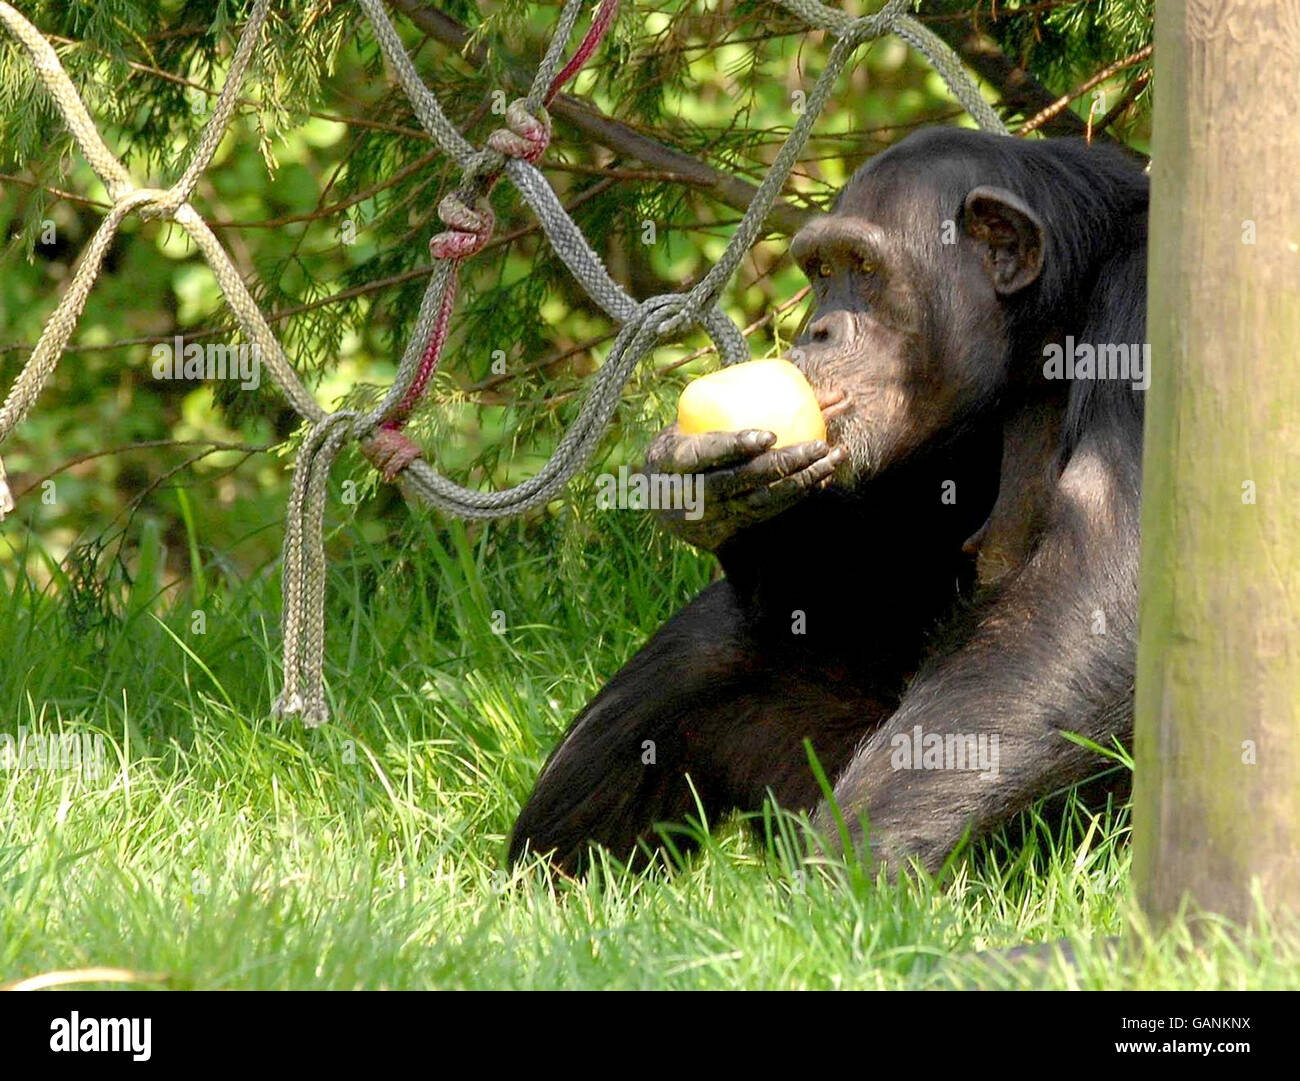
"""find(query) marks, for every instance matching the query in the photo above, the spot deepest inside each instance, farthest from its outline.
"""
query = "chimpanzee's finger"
(723, 516)
(709, 450)
(764, 470)
(716, 450)
(789, 490)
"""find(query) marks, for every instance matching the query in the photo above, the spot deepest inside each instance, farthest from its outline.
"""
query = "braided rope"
(510, 152)
(937, 51)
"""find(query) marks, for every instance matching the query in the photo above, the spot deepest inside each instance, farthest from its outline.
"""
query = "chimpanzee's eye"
(825, 270)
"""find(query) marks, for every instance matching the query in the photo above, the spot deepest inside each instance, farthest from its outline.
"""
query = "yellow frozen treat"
(770, 395)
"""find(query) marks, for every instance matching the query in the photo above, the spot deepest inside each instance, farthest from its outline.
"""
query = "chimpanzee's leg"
(1053, 653)
(701, 701)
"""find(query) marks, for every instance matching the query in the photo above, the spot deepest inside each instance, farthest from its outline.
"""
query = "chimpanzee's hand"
(740, 481)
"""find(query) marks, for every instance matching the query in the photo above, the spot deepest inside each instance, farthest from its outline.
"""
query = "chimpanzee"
(939, 592)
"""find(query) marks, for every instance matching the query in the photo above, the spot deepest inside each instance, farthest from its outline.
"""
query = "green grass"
(222, 849)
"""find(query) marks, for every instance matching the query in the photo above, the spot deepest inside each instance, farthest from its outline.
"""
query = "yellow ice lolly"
(770, 395)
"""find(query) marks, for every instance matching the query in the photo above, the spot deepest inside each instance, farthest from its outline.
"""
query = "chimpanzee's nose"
(832, 330)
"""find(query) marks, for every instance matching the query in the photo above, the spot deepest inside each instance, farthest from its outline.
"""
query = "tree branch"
(1062, 103)
(1019, 91)
(728, 190)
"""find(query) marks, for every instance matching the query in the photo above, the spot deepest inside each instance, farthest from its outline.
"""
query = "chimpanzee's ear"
(1011, 234)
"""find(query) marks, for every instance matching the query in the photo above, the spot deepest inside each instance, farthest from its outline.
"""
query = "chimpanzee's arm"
(703, 718)
(1052, 652)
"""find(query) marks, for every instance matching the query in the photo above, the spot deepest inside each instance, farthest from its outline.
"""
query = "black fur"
(905, 625)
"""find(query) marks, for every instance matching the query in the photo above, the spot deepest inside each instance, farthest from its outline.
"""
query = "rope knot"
(525, 136)
(390, 451)
(469, 228)
(155, 204)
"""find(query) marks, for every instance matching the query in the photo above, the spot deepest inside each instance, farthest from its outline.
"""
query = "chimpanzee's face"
(911, 279)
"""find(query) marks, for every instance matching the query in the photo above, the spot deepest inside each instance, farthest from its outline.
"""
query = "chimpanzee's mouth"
(838, 408)
(834, 414)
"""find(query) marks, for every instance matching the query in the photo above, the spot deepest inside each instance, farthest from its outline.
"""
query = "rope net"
(510, 152)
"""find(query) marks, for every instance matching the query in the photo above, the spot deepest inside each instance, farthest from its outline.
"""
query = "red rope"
(600, 24)
(429, 361)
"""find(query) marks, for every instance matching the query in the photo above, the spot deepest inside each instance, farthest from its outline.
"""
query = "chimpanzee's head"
(943, 258)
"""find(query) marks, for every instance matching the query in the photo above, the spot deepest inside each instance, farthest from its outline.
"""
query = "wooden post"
(1217, 799)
